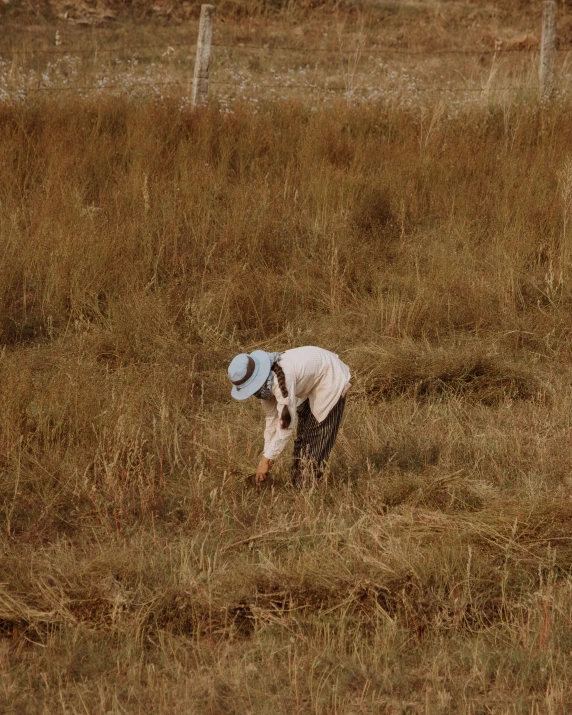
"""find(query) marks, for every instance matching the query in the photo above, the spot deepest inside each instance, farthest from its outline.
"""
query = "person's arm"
(275, 435)
(272, 423)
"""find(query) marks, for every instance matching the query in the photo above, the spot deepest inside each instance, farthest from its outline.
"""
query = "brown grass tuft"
(466, 372)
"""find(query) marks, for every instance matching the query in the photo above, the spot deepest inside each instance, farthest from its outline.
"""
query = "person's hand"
(263, 469)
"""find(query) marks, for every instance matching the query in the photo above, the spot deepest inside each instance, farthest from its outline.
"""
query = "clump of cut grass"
(464, 372)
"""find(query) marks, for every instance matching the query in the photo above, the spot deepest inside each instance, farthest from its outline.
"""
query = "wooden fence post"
(203, 58)
(547, 49)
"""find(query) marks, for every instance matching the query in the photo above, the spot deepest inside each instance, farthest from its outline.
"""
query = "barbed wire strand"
(95, 50)
(385, 49)
(88, 88)
(275, 48)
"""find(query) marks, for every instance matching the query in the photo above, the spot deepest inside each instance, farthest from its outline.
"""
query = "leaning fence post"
(547, 49)
(203, 57)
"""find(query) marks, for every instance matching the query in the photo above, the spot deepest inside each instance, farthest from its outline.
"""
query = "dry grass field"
(143, 246)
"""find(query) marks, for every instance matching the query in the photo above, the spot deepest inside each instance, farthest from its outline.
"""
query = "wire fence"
(167, 49)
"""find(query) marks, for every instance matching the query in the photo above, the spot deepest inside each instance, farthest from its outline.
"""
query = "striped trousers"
(314, 441)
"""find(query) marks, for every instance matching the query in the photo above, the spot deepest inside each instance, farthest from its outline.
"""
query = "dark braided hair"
(285, 417)
(281, 377)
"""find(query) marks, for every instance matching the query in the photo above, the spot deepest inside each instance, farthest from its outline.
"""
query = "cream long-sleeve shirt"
(312, 373)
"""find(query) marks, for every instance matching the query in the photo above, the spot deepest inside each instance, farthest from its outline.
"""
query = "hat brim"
(257, 379)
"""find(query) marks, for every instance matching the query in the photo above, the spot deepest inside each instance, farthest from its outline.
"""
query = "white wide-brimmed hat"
(248, 373)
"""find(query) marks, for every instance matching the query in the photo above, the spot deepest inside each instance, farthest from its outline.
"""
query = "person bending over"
(307, 386)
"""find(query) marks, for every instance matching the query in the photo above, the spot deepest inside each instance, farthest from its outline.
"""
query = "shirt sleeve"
(275, 437)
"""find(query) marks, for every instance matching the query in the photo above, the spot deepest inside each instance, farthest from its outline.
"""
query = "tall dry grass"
(140, 570)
